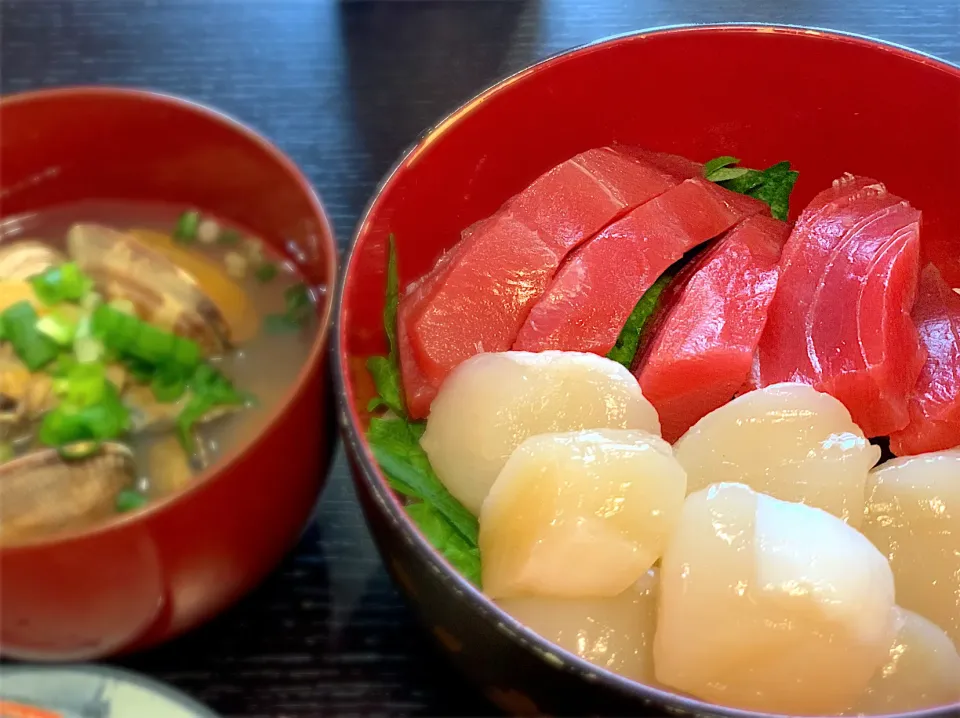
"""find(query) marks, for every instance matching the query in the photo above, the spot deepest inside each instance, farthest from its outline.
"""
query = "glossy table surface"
(344, 87)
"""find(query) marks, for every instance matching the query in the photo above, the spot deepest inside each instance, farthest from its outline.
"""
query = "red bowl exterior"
(146, 577)
(830, 103)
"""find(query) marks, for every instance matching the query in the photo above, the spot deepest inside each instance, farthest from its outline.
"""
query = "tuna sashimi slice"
(884, 374)
(935, 401)
(840, 319)
(702, 349)
(594, 292)
(821, 227)
(671, 164)
(419, 389)
(477, 300)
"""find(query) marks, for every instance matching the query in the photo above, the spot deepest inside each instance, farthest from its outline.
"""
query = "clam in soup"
(138, 345)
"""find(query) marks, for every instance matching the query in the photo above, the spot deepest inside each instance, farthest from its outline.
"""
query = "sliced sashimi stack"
(479, 294)
(710, 322)
(635, 367)
(935, 401)
(595, 291)
(563, 264)
(840, 319)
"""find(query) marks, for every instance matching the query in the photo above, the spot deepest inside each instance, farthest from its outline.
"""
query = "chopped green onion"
(6, 452)
(299, 307)
(265, 272)
(83, 384)
(86, 347)
(130, 500)
(229, 237)
(193, 412)
(34, 348)
(62, 365)
(299, 304)
(104, 419)
(88, 350)
(210, 389)
(63, 283)
(136, 338)
(140, 370)
(208, 381)
(59, 326)
(76, 450)
(90, 408)
(84, 325)
(124, 305)
(167, 387)
(91, 301)
(187, 225)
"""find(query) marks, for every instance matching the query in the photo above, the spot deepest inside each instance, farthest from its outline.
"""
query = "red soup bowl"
(144, 577)
(830, 103)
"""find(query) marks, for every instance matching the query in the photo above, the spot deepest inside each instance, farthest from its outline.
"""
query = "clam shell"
(211, 276)
(164, 294)
(25, 258)
(42, 493)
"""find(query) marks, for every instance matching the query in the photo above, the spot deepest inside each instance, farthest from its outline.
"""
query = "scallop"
(123, 267)
(913, 517)
(41, 493)
(922, 670)
(771, 606)
(492, 402)
(579, 514)
(787, 440)
(614, 633)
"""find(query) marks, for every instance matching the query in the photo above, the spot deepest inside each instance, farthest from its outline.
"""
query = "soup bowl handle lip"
(317, 358)
(370, 475)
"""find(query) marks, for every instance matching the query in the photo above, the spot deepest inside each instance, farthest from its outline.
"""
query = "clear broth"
(265, 365)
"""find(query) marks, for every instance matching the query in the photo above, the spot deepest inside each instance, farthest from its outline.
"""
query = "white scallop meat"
(492, 402)
(579, 514)
(913, 517)
(786, 440)
(614, 633)
(922, 670)
(770, 606)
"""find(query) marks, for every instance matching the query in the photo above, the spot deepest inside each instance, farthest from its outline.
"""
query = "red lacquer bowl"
(148, 576)
(830, 103)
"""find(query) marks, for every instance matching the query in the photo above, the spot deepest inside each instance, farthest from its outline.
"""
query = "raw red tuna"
(672, 164)
(840, 319)
(703, 342)
(476, 301)
(935, 402)
(594, 292)
(419, 388)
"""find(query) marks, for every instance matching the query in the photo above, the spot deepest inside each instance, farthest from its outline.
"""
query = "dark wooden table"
(343, 87)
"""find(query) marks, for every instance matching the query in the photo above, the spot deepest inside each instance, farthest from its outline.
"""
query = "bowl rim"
(326, 241)
(368, 471)
(98, 670)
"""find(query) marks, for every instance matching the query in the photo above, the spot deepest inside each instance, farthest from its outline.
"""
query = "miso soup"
(139, 344)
